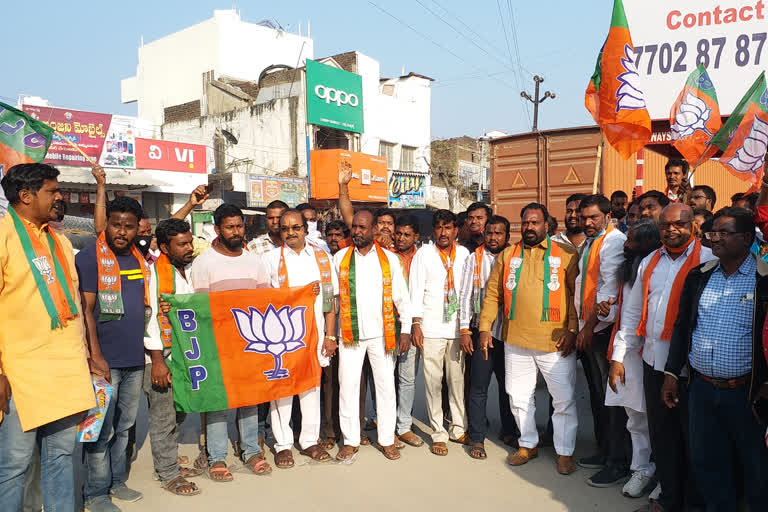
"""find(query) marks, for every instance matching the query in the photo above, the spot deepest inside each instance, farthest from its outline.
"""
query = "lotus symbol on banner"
(629, 95)
(751, 155)
(691, 116)
(274, 332)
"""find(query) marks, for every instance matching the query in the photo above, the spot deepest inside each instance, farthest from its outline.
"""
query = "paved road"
(419, 480)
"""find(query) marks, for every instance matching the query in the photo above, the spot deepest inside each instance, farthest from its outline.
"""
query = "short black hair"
(660, 197)
(498, 219)
(408, 220)
(708, 225)
(599, 200)
(480, 206)
(26, 177)
(277, 204)
(298, 212)
(226, 210)
(551, 225)
(461, 219)
(749, 198)
(303, 206)
(125, 204)
(745, 219)
(677, 162)
(169, 228)
(383, 212)
(444, 216)
(708, 215)
(535, 206)
(336, 224)
(575, 197)
(708, 191)
(619, 193)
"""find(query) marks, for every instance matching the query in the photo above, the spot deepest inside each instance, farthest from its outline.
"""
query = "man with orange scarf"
(114, 286)
(600, 260)
(648, 315)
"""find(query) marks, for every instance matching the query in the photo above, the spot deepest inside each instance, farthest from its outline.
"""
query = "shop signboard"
(165, 155)
(334, 97)
(369, 175)
(262, 190)
(407, 190)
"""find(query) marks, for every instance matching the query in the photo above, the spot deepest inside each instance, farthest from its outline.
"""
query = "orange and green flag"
(614, 96)
(242, 347)
(744, 136)
(695, 117)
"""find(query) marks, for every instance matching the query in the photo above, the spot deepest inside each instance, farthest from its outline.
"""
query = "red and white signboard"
(165, 155)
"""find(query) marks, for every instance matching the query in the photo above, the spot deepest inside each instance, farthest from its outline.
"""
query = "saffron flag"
(695, 117)
(613, 96)
(744, 136)
(242, 347)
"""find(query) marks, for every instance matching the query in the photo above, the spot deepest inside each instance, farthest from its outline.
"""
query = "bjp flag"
(613, 96)
(695, 117)
(242, 347)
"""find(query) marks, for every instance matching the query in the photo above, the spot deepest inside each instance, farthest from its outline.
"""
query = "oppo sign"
(334, 97)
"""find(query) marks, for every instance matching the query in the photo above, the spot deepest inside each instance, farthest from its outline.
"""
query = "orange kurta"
(47, 369)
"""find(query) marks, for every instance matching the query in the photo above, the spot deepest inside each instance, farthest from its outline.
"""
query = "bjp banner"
(242, 347)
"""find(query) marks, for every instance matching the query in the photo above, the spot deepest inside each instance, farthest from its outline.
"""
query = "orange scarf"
(350, 332)
(109, 287)
(590, 273)
(166, 285)
(553, 279)
(450, 301)
(673, 306)
(323, 264)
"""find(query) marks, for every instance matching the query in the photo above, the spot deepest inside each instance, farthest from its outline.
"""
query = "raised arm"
(100, 208)
(197, 197)
(345, 204)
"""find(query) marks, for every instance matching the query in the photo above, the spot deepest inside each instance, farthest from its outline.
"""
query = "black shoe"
(609, 476)
(593, 462)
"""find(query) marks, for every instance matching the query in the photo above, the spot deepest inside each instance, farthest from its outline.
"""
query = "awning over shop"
(144, 179)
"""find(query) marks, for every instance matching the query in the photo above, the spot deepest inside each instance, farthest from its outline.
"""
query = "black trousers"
(329, 393)
(610, 422)
(480, 379)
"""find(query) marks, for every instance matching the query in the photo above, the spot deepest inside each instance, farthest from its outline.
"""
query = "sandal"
(364, 440)
(183, 460)
(398, 443)
(327, 444)
(390, 452)
(316, 453)
(190, 472)
(464, 439)
(346, 452)
(181, 487)
(477, 451)
(201, 462)
(439, 448)
(258, 464)
(219, 472)
(284, 459)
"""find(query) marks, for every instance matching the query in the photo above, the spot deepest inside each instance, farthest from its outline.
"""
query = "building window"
(387, 150)
(407, 158)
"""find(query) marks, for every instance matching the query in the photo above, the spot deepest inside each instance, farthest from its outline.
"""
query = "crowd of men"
(661, 300)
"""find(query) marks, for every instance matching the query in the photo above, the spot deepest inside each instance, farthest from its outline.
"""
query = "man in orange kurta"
(45, 382)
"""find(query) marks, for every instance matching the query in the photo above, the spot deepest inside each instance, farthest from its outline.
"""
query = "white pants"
(350, 369)
(280, 416)
(637, 425)
(438, 352)
(560, 375)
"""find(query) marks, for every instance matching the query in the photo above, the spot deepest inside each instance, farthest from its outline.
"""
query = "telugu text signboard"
(88, 130)
(334, 97)
(672, 38)
(407, 190)
(165, 155)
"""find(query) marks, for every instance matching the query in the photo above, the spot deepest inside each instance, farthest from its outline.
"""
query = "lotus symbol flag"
(274, 332)
(628, 95)
(750, 156)
(692, 115)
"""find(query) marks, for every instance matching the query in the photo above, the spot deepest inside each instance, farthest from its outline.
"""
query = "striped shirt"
(467, 314)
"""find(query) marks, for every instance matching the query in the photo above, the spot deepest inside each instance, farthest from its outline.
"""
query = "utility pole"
(536, 101)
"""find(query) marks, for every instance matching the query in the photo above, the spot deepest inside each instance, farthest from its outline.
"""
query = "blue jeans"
(218, 437)
(480, 379)
(56, 441)
(407, 368)
(722, 429)
(106, 459)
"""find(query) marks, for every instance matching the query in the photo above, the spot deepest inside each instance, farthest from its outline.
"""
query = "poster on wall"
(120, 145)
(262, 190)
(407, 190)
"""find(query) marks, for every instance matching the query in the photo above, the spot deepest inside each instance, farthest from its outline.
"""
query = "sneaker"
(638, 485)
(593, 462)
(101, 504)
(608, 476)
(125, 493)
(655, 493)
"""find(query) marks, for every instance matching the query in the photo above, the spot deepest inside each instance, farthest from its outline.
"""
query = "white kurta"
(611, 259)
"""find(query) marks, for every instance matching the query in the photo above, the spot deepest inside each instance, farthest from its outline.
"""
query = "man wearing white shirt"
(435, 274)
(600, 260)
(371, 286)
(170, 274)
(647, 318)
(298, 263)
(471, 295)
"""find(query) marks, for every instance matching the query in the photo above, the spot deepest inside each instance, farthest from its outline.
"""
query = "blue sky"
(76, 53)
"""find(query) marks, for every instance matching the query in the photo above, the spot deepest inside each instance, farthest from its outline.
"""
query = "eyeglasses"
(716, 236)
(680, 225)
(297, 228)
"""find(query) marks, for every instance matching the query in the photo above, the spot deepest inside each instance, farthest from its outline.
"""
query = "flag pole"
(87, 158)
(596, 177)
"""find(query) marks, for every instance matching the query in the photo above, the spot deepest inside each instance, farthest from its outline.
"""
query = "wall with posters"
(671, 39)
(262, 190)
(407, 190)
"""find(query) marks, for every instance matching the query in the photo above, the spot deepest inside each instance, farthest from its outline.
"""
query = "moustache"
(529, 233)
